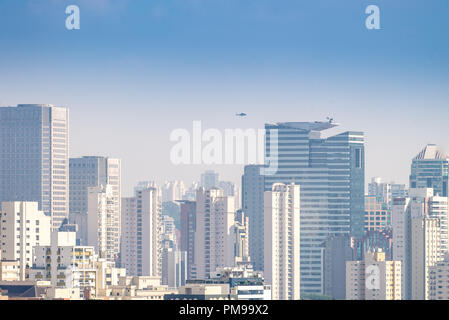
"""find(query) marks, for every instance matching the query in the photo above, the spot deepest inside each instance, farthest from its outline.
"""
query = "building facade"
(282, 241)
(92, 171)
(373, 278)
(141, 250)
(331, 174)
(252, 205)
(22, 227)
(103, 222)
(214, 245)
(34, 157)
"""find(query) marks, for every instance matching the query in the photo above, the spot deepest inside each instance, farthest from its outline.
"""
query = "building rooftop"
(431, 152)
(308, 126)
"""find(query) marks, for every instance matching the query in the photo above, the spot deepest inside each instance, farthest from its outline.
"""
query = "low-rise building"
(373, 278)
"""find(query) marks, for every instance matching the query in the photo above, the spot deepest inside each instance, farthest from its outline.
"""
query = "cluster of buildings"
(307, 229)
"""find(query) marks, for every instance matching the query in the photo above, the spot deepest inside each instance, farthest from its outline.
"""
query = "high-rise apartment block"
(141, 232)
(282, 241)
(415, 221)
(103, 222)
(188, 228)
(214, 245)
(92, 171)
(34, 157)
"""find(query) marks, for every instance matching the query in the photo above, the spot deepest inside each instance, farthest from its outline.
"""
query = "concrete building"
(187, 239)
(385, 192)
(439, 280)
(214, 246)
(420, 204)
(103, 222)
(92, 171)
(373, 278)
(236, 283)
(22, 227)
(9, 269)
(425, 253)
(282, 241)
(377, 214)
(65, 265)
(252, 205)
(240, 232)
(338, 250)
(331, 173)
(141, 250)
(34, 157)
(230, 189)
(136, 288)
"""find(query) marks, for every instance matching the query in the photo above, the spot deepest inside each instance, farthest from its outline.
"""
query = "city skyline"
(224, 150)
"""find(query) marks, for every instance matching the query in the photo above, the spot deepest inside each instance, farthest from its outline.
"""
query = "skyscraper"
(103, 222)
(92, 171)
(141, 232)
(214, 242)
(430, 170)
(330, 172)
(188, 227)
(282, 241)
(34, 157)
(252, 206)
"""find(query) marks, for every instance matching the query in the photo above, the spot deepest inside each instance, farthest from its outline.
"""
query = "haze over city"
(136, 70)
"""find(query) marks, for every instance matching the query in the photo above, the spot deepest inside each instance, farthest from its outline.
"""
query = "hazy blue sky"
(137, 69)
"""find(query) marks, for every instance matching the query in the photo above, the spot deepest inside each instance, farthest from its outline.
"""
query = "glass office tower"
(34, 142)
(330, 173)
(430, 170)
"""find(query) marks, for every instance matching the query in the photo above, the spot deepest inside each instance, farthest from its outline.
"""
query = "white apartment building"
(425, 253)
(103, 219)
(214, 245)
(64, 264)
(420, 203)
(281, 246)
(240, 232)
(22, 227)
(374, 278)
(9, 270)
(141, 251)
(91, 171)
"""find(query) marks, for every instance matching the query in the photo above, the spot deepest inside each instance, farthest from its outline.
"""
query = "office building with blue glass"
(330, 173)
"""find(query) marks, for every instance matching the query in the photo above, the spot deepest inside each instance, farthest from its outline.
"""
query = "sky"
(138, 69)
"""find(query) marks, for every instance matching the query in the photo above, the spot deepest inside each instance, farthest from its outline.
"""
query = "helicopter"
(242, 114)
